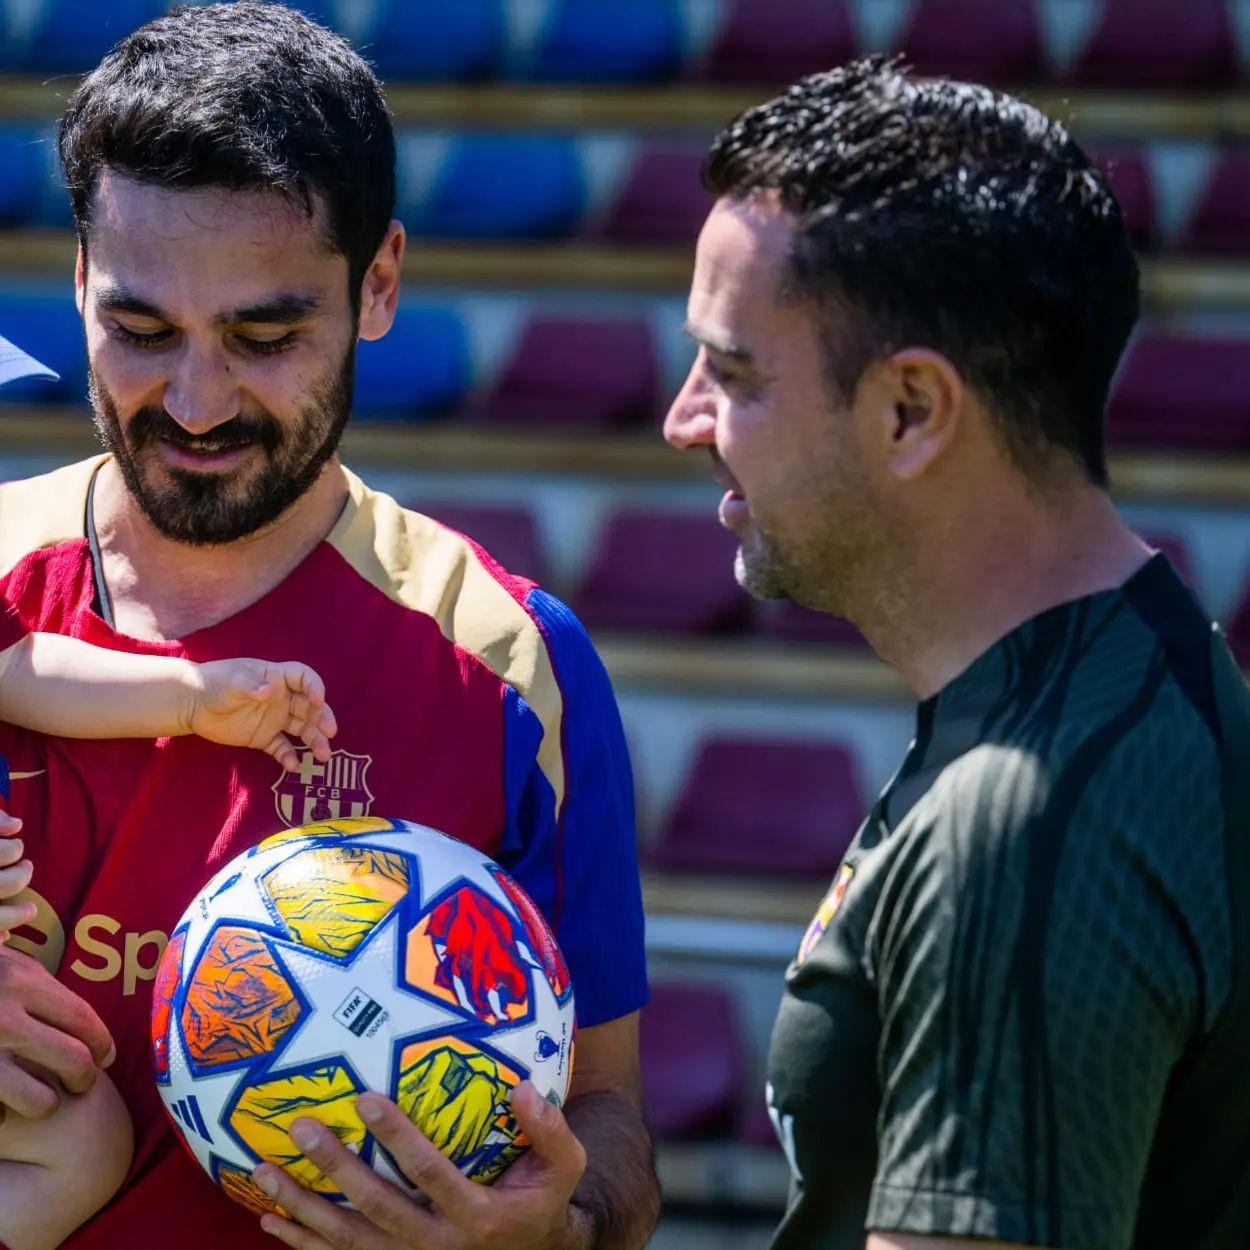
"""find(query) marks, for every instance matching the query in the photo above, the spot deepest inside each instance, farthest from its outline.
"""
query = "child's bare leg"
(57, 1173)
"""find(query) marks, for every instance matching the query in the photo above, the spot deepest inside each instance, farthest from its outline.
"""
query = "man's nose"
(201, 393)
(691, 419)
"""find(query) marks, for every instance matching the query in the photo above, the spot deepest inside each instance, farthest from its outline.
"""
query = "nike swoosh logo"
(39, 772)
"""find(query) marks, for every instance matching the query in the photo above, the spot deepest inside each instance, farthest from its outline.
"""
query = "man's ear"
(928, 400)
(379, 292)
(80, 280)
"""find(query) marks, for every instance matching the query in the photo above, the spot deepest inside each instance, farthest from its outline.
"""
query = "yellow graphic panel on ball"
(237, 1184)
(331, 897)
(458, 1097)
(239, 1003)
(348, 827)
(264, 1113)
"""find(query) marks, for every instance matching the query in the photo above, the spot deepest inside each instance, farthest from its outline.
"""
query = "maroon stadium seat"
(662, 200)
(578, 372)
(763, 806)
(663, 572)
(692, 1064)
(788, 622)
(764, 42)
(1129, 177)
(1238, 627)
(1221, 222)
(1186, 393)
(1159, 43)
(974, 40)
(755, 1125)
(509, 535)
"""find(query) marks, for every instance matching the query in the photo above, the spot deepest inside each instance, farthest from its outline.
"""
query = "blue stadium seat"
(23, 170)
(46, 324)
(504, 186)
(433, 41)
(611, 41)
(72, 35)
(420, 368)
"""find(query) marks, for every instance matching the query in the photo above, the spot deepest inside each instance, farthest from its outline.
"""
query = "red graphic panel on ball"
(537, 933)
(239, 1003)
(467, 950)
(163, 1002)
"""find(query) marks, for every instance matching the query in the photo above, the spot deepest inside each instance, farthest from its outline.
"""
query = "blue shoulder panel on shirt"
(582, 868)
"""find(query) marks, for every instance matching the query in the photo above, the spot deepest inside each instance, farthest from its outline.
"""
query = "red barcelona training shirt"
(467, 699)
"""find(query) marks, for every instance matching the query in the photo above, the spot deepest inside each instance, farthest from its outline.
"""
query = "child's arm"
(64, 686)
(56, 1173)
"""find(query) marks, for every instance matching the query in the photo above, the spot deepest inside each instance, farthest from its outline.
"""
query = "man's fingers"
(15, 879)
(64, 1056)
(549, 1133)
(11, 850)
(14, 914)
(46, 999)
(9, 825)
(280, 747)
(315, 740)
(293, 1235)
(431, 1171)
(25, 1094)
(316, 1214)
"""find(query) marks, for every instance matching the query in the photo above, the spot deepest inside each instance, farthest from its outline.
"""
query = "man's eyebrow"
(115, 298)
(721, 346)
(281, 310)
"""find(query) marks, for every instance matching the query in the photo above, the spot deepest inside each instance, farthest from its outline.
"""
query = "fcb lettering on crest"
(334, 790)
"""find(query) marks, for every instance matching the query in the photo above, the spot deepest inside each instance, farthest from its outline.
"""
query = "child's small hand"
(253, 703)
(15, 873)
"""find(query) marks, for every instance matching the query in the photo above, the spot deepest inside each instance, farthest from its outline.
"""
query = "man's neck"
(162, 590)
(990, 571)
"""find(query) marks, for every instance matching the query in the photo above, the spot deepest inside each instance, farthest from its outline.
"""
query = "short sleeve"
(579, 860)
(1035, 988)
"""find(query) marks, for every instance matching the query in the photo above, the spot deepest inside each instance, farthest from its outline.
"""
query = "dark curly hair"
(948, 215)
(244, 96)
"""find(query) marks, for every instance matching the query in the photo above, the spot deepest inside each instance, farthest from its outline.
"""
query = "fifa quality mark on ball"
(348, 955)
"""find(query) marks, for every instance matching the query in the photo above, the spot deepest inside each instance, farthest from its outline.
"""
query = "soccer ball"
(355, 955)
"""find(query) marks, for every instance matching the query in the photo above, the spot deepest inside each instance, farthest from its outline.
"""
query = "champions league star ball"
(357, 955)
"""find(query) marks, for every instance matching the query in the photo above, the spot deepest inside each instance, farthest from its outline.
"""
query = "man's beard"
(209, 509)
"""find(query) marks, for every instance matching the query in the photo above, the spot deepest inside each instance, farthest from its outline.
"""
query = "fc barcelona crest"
(334, 790)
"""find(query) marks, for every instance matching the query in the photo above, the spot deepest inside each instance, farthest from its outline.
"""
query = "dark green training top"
(1023, 1011)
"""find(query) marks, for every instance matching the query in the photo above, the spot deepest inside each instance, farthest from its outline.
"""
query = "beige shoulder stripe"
(43, 511)
(418, 563)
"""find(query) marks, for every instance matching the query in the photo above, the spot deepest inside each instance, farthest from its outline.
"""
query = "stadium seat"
(508, 534)
(763, 42)
(610, 41)
(70, 36)
(504, 186)
(768, 807)
(974, 40)
(418, 369)
(663, 572)
(1182, 392)
(789, 622)
(1159, 43)
(1221, 222)
(433, 41)
(49, 327)
(662, 200)
(577, 372)
(693, 1070)
(1129, 176)
(23, 174)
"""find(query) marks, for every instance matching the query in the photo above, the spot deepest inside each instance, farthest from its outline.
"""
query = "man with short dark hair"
(1022, 1014)
(231, 169)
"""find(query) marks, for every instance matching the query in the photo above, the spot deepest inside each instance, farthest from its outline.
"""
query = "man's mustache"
(150, 424)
